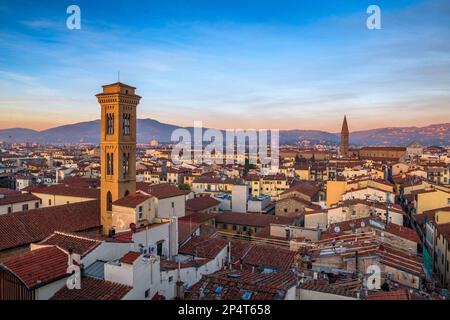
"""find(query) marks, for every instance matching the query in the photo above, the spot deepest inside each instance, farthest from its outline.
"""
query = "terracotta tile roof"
(130, 257)
(265, 233)
(6, 191)
(338, 288)
(167, 265)
(93, 289)
(197, 217)
(132, 200)
(186, 229)
(38, 267)
(306, 203)
(22, 228)
(160, 191)
(203, 247)
(274, 177)
(127, 236)
(266, 256)
(242, 253)
(217, 180)
(77, 243)
(347, 245)
(393, 208)
(17, 198)
(443, 229)
(307, 188)
(62, 190)
(252, 177)
(81, 182)
(201, 203)
(400, 231)
(387, 295)
(241, 285)
(252, 219)
(383, 148)
(363, 188)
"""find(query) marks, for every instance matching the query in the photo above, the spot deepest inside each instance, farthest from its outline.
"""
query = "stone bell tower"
(118, 103)
(343, 148)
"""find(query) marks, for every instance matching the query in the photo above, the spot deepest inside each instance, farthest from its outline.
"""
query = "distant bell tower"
(118, 103)
(343, 148)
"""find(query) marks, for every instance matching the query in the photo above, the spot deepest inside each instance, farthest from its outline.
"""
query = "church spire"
(344, 125)
(343, 148)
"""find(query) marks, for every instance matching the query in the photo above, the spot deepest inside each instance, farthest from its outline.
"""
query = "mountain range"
(148, 129)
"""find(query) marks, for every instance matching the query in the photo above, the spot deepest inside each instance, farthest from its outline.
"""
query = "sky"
(229, 63)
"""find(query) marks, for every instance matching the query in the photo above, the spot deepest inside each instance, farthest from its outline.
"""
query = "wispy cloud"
(237, 74)
(40, 24)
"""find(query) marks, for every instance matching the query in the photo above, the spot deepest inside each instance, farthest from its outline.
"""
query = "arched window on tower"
(126, 164)
(126, 124)
(112, 164)
(108, 164)
(109, 123)
(109, 201)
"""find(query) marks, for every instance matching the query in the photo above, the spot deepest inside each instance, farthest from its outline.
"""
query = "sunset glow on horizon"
(296, 65)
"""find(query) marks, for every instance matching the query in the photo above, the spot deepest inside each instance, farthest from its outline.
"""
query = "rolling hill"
(436, 134)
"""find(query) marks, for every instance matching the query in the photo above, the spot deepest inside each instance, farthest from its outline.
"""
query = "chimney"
(70, 251)
(229, 255)
(180, 284)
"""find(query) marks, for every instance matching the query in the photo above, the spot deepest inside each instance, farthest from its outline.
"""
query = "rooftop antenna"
(118, 76)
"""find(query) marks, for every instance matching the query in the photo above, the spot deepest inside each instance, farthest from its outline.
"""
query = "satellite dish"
(382, 234)
(337, 229)
(363, 224)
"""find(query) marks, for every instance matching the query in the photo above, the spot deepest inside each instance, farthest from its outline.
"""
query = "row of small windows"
(126, 127)
(110, 164)
(24, 207)
(110, 123)
(126, 124)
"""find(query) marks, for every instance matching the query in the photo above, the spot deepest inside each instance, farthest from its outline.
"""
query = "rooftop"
(201, 203)
(63, 190)
(93, 289)
(132, 200)
(160, 191)
(22, 228)
(17, 198)
(130, 257)
(252, 219)
(38, 267)
(241, 285)
(78, 244)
